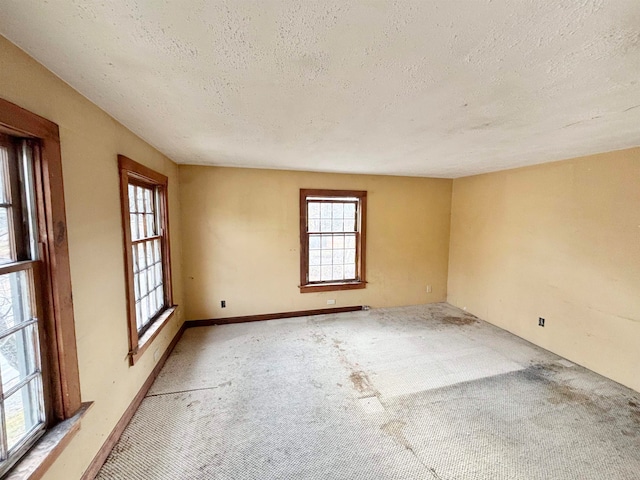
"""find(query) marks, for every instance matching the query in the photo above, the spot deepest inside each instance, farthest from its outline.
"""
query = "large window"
(39, 383)
(332, 239)
(148, 268)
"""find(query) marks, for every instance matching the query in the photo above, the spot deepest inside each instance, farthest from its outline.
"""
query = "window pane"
(325, 225)
(140, 199)
(158, 268)
(142, 264)
(314, 242)
(325, 210)
(134, 227)
(327, 257)
(151, 225)
(314, 225)
(314, 257)
(349, 272)
(151, 275)
(18, 356)
(132, 198)
(327, 241)
(338, 241)
(326, 273)
(136, 285)
(160, 297)
(350, 241)
(153, 308)
(156, 248)
(314, 274)
(350, 255)
(338, 256)
(314, 210)
(149, 253)
(134, 255)
(338, 209)
(336, 225)
(350, 211)
(349, 226)
(144, 309)
(148, 200)
(142, 232)
(139, 323)
(143, 283)
(22, 412)
(15, 306)
(6, 255)
(338, 273)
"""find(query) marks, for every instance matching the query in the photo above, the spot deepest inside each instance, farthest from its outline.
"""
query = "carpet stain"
(465, 320)
(361, 382)
(394, 430)
(635, 411)
(561, 393)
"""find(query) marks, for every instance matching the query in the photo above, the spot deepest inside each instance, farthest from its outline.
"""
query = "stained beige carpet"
(426, 392)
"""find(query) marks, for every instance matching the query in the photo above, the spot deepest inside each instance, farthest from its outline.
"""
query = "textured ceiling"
(429, 88)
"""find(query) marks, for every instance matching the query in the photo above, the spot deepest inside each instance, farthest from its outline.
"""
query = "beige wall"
(90, 141)
(559, 241)
(241, 240)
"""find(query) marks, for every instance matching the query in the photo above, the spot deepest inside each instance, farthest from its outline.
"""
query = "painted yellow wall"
(90, 142)
(241, 240)
(559, 241)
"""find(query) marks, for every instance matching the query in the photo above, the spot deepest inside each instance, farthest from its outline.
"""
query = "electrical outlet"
(331, 302)
(540, 321)
(428, 288)
(223, 303)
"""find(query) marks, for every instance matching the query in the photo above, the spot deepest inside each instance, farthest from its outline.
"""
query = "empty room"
(283, 239)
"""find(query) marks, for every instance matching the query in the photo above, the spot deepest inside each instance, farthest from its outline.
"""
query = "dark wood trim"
(330, 287)
(60, 338)
(141, 172)
(361, 244)
(268, 316)
(99, 459)
(304, 241)
(148, 338)
(133, 172)
(360, 282)
(46, 451)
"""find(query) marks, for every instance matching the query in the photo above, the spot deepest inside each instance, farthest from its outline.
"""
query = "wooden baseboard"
(113, 437)
(268, 316)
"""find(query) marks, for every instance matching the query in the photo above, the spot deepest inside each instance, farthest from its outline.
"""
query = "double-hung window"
(332, 239)
(39, 382)
(22, 401)
(148, 267)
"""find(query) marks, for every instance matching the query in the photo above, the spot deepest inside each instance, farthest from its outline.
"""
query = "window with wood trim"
(146, 237)
(39, 382)
(332, 239)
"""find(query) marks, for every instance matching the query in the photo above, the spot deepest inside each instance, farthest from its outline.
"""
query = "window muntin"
(332, 239)
(22, 399)
(146, 240)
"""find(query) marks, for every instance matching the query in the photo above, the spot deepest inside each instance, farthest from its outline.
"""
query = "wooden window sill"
(46, 450)
(328, 287)
(152, 333)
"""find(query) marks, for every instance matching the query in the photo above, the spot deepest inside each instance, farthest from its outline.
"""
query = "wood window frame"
(360, 282)
(61, 378)
(134, 172)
